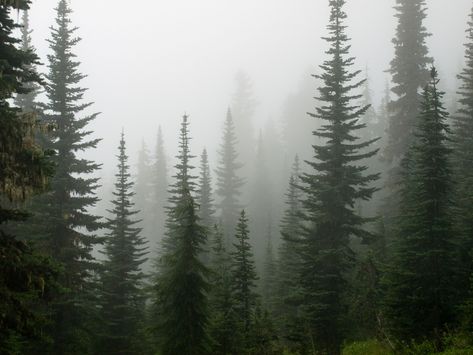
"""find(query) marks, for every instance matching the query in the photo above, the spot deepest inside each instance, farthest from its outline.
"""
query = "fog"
(150, 63)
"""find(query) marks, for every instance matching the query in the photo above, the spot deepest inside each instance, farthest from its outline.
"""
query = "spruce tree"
(462, 144)
(244, 278)
(228, 182)
(122, 297)
(61, 218)
(27, 279)
(409, 75)
(421, 281)
(182, 281)
(337, 181)
(204, 194)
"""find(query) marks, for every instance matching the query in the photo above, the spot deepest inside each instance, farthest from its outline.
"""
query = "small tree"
(182, 281)
(244, 276)
(122, 298)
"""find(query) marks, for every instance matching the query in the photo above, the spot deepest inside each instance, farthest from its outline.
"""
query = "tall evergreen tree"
(228, 182)
(122, 297)
(409, 75)
(27, 101)
(243, 110)
(182, 282)
(204, 194)
(463, 159)
(260, 202)
(159, 184)
(421, 282)
(142, 186)
(26, 278)
(338, 180)
(244, 277)
(61, 218)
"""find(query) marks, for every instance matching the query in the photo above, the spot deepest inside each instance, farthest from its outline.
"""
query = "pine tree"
(27, 101)
(331, 190)
(122, 298)
(61, 218)
(462, 144)
(27, 279)
(409, 75)
(228, 183)
(244, 277)
(182, 277)
(204, 194)
(421, 280)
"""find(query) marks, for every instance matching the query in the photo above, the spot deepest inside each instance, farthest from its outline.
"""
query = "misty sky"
(149, 64)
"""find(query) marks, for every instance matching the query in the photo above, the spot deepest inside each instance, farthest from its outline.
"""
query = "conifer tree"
(228, 182)
(244, 277)
(421, 281)
(141, 197)
(463, 161)
(61, 218)
(260, 202)
(204, 194)
(27, 101)
(122, 297)
(159, 184)
(243, 110)
(269, 275)
(223, 318)
(27, 279)
(337, 181)
(409, 75)
(182, 281)
(289, 262)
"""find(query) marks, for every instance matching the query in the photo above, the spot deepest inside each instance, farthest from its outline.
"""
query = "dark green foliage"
(409, 75)
(365, 299)
(462, 144)
(182, 281)
(204, 195)
(122, 297)
(338, 180)
(27, 279)
(243, 277)
(61, 222)
(421, 281)
(223, 318)
(228, 183)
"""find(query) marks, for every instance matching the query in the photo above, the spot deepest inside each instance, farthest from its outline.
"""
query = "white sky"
(149, 64)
